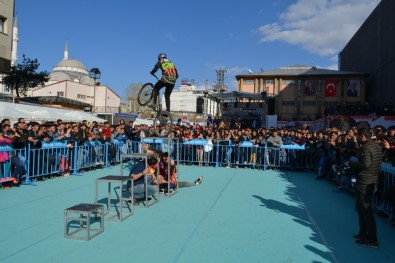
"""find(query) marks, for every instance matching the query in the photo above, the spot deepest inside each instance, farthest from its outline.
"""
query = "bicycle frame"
(162, 117)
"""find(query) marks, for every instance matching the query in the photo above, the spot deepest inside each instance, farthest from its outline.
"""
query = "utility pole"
(220, 87)
(205, 92)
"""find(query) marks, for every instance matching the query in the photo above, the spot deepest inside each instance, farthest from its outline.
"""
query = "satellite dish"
(250, 71)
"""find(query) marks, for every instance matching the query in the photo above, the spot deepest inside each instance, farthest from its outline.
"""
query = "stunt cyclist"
(168, 80)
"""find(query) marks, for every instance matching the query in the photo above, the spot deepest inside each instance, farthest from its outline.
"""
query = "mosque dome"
(87, 80)
(71, 65)
(58, 76)
(71, 70)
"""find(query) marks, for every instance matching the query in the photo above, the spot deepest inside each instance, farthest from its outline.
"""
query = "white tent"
(13, 111)
(143, 121)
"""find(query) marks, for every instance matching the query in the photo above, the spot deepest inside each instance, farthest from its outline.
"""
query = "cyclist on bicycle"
(168, 80)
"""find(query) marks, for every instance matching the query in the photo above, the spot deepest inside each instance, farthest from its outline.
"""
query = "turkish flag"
(330, 88)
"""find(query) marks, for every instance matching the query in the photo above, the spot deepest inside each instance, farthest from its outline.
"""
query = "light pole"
(264, 111)
(95, 74)
(205, 92)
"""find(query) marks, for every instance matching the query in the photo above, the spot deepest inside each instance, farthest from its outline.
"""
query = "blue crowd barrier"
(386, 183)
(293, 146)
(12, 163)
(45, 160)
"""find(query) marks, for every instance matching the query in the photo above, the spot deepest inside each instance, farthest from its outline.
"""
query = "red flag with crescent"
(330, 88)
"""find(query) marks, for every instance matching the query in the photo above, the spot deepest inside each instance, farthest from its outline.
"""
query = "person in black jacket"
(168, 80)
(368, 169)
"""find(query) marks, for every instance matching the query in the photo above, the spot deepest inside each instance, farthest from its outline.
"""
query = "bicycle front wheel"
(163, 124)
(145, 94)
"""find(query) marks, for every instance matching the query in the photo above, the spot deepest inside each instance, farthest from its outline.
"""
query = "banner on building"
(354, 88)
(330, 88)
(309, 87)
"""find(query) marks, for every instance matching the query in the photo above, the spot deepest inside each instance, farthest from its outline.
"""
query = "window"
(60, 94)
(2, 24)
(309, 103)
(287, 82)
(249, 81)
(330, 103)
(287, 103)
(80, 96)
(299, 88)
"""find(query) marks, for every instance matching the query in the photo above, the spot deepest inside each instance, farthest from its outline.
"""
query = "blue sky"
(123, 38)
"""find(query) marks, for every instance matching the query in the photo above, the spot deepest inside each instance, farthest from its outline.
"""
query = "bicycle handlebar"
(153, 74)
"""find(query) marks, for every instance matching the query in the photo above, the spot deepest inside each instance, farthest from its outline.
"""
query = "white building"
(70, 79)
(8, 40)
(187, 99)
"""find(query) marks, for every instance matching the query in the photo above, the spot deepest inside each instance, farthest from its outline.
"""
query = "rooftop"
(299, 70)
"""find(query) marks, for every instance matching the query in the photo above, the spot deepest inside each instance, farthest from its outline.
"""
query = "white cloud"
(236, 70)
(233, 86)
(333, 67)
(319, 26)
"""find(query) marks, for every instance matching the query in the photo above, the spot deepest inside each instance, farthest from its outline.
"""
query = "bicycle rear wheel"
(163, 124)
(145, 94)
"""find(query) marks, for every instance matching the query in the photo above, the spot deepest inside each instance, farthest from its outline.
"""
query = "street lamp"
(264, 111)
(94, 73)
(205, 92)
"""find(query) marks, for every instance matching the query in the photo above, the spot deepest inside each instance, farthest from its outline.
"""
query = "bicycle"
(163, 122)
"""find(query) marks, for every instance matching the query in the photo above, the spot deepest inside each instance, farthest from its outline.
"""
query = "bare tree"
(131, 95)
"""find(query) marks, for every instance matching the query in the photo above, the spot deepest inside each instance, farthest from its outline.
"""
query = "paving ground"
(235, 215)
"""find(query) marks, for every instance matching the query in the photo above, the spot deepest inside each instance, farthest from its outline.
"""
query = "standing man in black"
(368, 169)
(21, 134)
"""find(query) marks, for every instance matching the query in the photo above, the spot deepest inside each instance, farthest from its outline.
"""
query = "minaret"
(15, 39)
(66, 52)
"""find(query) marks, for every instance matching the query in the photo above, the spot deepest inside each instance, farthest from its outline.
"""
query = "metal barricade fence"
(12, 163)
(91, 155)
(225, 153)
(45, 160)
(221, 153)
(56, 158)
(384, 200)
(116, 148)
(134, 146)
(164, 145)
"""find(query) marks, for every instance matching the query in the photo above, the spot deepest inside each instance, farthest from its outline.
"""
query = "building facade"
(6, 24)
(372, 50)
(100, 98)
(304, 93)
(187, 99)
(7, 39)
(70, 80)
